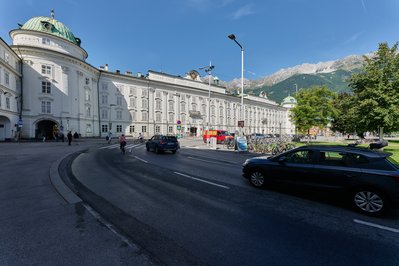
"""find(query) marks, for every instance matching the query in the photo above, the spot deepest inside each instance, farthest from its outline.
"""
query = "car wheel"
(257, 178)
(369, 201)
(148, 148)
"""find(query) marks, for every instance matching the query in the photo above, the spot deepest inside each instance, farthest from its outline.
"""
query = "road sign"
(178, 122)
(178, 127)
(20, 123)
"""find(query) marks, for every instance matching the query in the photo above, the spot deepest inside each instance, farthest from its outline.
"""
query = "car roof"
(358, 150)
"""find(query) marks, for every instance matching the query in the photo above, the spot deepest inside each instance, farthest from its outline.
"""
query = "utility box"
(212, 143)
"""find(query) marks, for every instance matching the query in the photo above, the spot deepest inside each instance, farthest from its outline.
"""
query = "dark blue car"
(161, 143)
(368, 179)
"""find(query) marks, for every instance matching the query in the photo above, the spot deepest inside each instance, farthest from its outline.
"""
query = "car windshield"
(171, 138)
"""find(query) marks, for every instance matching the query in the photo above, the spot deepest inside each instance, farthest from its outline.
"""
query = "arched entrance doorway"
(5, 128)
(46, 128)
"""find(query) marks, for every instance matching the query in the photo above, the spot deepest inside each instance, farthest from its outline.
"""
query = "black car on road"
(161, 143)
(368, 179)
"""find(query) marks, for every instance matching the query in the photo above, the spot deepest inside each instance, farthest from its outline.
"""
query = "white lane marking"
(201, 180)
(377, 226)
(215, 162)
(110, 147)
(140, 159)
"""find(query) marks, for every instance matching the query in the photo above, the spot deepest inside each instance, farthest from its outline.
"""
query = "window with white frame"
(144, 116)
(171, 105)
(158, 94)
(8, 105)
(46, 87)
(132, 115)
(104, 113)
(158, 104)
(6, 57)
(88, 128)
(171, 117)
(144, 103)
(118, 128)
(104, 86)
(46, 107)
(170, 129)
(46, 69)
(194, 107)
(87, 81)
(213, 110)
(87, 95)
(132, 102)
(104, 99)
(143, 129)
(46, 41)
(119, 114)
(144, 93)
(119, 100)
(88, 111)
(131, 90)
(158, 117)
(7, 78)
(183, 107)
(104, 128)
(157, 129)
(131, 129)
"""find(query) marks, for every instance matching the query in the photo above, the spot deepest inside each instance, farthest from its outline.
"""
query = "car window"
(378, 164)
(302, 156)
(332, 158)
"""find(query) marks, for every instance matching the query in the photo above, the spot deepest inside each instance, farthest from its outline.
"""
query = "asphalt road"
(39, 227)
(194, 208)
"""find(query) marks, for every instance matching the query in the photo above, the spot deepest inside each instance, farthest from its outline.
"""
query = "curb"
(59, 185)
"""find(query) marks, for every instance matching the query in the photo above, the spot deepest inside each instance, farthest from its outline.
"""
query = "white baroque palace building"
(46, 86)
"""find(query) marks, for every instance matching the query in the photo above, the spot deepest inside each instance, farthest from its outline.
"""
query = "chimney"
(117, 71)
(128, 72)
(106, 67)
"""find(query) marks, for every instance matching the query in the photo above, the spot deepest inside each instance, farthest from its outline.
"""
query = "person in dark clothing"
(76, 135)
(69, 136)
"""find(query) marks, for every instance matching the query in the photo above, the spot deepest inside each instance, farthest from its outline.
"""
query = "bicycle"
(122, 147)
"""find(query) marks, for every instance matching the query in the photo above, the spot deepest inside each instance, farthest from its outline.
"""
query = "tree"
(314, 108)
(376, 90)
(345, 119)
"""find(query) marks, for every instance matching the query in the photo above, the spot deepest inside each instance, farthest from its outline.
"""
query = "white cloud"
(243, 11)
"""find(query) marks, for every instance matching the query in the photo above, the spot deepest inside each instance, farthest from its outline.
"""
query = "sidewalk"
(43, 222)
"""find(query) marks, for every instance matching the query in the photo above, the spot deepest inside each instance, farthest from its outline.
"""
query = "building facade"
(48, 88)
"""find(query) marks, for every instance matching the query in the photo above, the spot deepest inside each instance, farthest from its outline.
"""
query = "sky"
(176, 36)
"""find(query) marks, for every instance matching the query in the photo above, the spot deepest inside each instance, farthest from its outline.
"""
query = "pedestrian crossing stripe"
(116, 146)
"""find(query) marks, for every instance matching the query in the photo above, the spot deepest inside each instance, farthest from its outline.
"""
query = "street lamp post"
(233, 37)
(208, 70)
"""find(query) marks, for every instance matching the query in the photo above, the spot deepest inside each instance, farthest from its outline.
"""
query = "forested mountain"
(333, 74)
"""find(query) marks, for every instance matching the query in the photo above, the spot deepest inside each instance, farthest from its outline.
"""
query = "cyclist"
(141, 138)
(122, 143)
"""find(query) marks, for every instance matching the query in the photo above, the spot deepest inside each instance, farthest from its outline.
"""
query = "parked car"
(161, 143)
(368, 179)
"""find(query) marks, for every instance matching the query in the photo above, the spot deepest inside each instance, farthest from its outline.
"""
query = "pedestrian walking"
(69, 136)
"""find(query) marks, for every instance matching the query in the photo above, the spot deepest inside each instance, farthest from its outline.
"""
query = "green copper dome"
(50, 26)
(289, 100)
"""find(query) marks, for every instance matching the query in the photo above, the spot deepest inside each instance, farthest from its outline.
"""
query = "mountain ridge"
(333, 74)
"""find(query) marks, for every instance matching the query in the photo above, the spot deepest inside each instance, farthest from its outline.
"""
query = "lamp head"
(232, 37)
